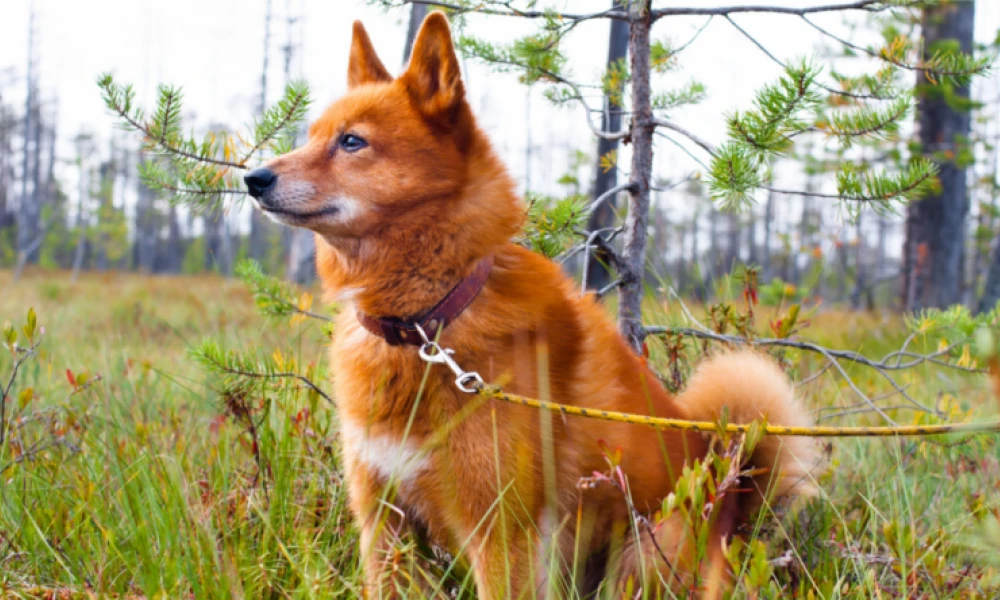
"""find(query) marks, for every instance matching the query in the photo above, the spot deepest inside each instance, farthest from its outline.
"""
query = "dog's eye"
(351, 142)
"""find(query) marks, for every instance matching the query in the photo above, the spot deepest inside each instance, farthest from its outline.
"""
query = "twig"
(199, 192)
(253, 374)
(624, 187)
(707, 146)
(902, 192)
(525, 14)
(614, 284)
(20, 356)
(833, 357)
(780, 62)
(863, 5)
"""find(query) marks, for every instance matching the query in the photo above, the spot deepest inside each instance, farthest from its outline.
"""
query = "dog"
(414, 216)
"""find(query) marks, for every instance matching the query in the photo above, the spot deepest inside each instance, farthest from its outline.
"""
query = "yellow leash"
(471, 383)
(620, 417)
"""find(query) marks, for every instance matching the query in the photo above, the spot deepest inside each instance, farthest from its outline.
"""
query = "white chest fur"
(386, 455)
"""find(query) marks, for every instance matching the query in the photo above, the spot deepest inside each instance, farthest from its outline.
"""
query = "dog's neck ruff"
(398, 332)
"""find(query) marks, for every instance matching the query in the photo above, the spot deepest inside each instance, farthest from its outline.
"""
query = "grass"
(132, 474)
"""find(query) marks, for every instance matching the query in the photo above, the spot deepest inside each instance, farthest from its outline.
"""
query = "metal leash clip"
(432, 352)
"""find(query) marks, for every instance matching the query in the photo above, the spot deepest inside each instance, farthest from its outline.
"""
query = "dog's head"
(383, 149)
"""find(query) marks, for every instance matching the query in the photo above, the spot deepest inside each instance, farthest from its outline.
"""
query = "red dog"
(414, 214)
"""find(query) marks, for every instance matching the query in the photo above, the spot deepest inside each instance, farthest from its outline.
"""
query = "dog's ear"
(433, 78)
(364, 66)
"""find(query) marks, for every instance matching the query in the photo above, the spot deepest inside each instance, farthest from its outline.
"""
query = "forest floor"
(125, 473)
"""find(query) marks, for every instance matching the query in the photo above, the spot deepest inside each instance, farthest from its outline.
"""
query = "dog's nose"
(259, 181)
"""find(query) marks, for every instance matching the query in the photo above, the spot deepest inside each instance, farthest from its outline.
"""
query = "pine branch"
(868, 122)
(913, 181)
(273, 296)
(552, 222)
(952, 66)
(238, 366)
(291, 109)
(199, 173)
(155, 134)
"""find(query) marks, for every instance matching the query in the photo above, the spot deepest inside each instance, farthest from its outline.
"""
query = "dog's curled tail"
(751, 386)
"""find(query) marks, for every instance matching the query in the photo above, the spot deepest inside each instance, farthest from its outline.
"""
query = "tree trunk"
(734, 242)
(986, 222)
(5, 153)
(695, 251)
(991, 291)
(598, 275)
(859, 271)
(146, 231)
(174, 248)
(28, 212)
(768, 228)
(714, 256)
(636, 224)
(935, 225)
(417, 14)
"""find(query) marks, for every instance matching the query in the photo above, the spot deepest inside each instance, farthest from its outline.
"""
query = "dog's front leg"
(502, 565)
(389, 571)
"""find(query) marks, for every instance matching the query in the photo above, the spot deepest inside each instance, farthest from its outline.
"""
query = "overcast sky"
(215, 48)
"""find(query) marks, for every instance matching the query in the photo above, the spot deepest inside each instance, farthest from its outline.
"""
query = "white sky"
(214, 49)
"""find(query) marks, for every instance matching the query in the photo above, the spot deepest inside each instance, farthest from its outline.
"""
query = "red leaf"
(216, 424)
(70, 377)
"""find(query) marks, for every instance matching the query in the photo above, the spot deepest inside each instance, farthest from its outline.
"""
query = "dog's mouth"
(301, 216)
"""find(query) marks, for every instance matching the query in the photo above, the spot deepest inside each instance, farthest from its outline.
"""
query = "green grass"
(144, 482)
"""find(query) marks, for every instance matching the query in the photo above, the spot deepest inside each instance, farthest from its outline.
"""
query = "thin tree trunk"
(598, 275)
(417, 14)
(695, 255)
(147, 229)
(174, 248)
(768, 228)
(859, 271)
(734, 242)
(84, 149)
(26, 220)
(935, 225)
(714, 256)
(991, 291)
(4, 170)
(636, 224)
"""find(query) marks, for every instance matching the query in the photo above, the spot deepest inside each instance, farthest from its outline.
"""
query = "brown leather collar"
(398, 331)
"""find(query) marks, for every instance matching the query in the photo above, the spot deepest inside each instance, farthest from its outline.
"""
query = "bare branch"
(256, 375)
(524, 14)
(706, 145)
(624, 187)
(722, 11)
(780, 62)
